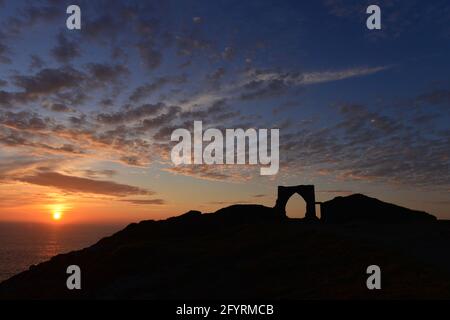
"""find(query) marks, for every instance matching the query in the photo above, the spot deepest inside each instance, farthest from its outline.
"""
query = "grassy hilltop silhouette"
(251, 251)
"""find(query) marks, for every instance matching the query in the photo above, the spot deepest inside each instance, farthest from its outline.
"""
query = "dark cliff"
(249, 251)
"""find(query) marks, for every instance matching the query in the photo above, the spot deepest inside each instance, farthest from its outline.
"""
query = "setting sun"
(57, 215)
(57, 211)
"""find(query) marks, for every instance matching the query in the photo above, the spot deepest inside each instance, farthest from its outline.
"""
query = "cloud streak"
(83, 185)
(315, 77)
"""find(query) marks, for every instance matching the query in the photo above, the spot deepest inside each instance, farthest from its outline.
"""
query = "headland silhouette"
(255, 251)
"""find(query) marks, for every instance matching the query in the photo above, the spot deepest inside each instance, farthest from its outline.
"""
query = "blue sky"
(358, 110)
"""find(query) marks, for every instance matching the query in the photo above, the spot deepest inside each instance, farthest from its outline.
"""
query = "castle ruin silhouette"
(305, 191)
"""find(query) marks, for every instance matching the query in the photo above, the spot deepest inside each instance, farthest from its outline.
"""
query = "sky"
(86, 115)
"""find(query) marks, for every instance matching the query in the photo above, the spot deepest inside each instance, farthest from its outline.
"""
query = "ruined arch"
(305, 191)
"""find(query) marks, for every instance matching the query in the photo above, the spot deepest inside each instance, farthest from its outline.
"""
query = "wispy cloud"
(315, 77)
(145, 201)
(83, 185)
(260, 84)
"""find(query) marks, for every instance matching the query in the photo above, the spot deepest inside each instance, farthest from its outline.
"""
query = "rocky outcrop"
(361, 208)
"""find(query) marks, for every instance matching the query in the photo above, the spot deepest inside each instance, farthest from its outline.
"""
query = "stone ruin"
(352, 208)
(305, 191)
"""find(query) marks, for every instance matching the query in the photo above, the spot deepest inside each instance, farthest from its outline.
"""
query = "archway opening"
(296, 206)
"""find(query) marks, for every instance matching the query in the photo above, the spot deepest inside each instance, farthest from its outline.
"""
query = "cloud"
(23, 120)
(95, 174)
(83, 185)
(48, 81)
(285, 107)
(30, 15)
(264, 89)
(148, 89)
(216, 172)
(145, 201)
(327, 76)
(131, 114)
(370, 146)
(267, 84)
(78, 136)
(65, 50)
(435, 97)
(94, 29)
(150, 57)
(66, 84)
(216, 75)
(5, 52)
(104, 73)
(309, 78)
(36, 62)
(222, 203)
(12, 166)
(187, 45)
(162, 120)
(358, 143)
(56, 107)
(216, 111)
(228, 53)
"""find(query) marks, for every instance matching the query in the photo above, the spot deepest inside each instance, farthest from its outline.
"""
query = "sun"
(57, 211)
(57, 215)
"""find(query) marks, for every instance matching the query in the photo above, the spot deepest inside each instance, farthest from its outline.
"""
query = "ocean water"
(25, 244)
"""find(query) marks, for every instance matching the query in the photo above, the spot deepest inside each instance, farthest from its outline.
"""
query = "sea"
(25, 244)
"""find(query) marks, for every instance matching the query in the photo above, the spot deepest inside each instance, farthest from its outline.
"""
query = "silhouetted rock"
(246, 213)
(358, 208)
